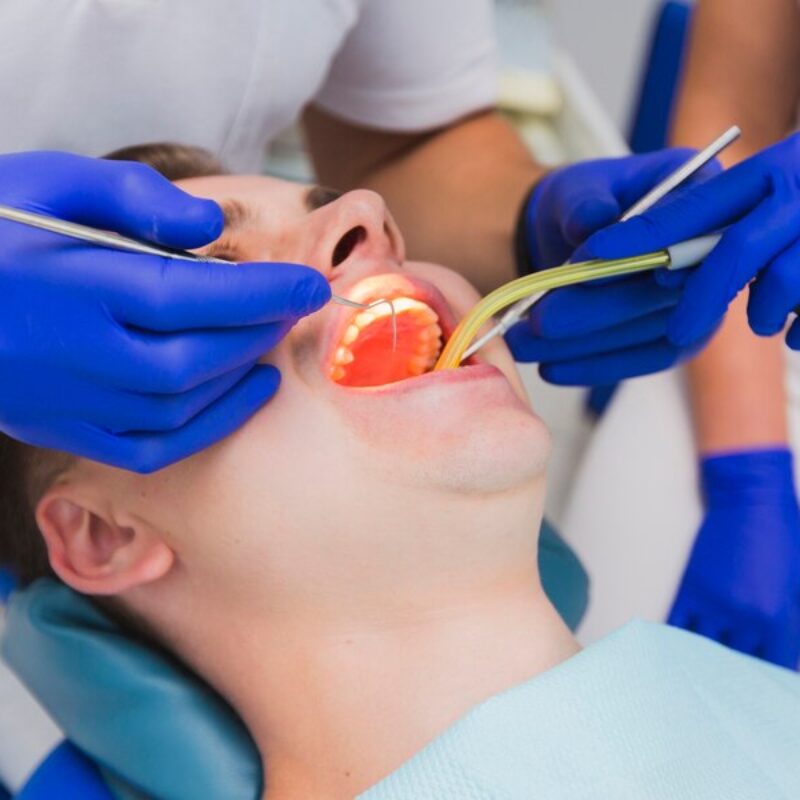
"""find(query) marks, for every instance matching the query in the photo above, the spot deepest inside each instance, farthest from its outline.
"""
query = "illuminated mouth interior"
(365, 356)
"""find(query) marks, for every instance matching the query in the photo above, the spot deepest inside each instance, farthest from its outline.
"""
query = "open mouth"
(366, 352)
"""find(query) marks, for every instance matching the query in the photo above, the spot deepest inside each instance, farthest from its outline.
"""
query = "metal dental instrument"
(676, 178)
(672, 181)
(380, 302)
(85, 233)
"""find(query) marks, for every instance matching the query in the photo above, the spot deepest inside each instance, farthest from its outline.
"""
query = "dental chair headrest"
(153, 727)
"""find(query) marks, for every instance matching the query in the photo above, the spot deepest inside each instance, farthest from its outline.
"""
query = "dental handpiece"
(660, 190)
(86, 233)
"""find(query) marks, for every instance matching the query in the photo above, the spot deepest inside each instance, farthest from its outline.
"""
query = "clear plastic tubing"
(543, 281)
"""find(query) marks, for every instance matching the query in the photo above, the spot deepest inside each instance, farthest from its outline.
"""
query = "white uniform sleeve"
(411, 65)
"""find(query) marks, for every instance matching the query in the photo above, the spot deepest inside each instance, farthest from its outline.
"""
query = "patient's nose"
(357, 227)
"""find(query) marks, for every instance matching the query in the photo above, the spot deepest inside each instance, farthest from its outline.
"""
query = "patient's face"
(357, 441)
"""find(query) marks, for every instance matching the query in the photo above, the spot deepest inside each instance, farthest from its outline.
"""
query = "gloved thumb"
(145, 205)
(620, 240)
(597, 210)
(122, 196)
(611, 186)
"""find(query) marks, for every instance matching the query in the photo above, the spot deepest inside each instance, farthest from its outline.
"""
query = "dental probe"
(85, 233)
(672, 181)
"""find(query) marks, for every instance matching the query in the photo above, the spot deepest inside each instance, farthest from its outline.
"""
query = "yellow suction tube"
(543, 281)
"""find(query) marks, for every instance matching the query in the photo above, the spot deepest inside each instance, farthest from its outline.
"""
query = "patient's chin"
(499, 448)
(486, 462)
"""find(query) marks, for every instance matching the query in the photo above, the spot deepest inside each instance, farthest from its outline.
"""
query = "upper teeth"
(428, 344)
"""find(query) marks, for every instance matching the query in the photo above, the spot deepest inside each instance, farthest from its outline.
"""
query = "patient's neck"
(339, 696)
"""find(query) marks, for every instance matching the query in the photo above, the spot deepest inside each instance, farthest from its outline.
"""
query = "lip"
(464, 374)
(390, 286)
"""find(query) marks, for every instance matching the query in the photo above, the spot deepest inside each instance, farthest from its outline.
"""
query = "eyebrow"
(319, 196)
(236, 214)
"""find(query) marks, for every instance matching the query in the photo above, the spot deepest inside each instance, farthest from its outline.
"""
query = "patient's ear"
(96, 551)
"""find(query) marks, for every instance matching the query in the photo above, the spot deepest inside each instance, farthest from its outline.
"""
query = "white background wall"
(607, 39)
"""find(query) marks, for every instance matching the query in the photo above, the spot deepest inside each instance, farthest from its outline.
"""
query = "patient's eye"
(227, 255)
(225, 250)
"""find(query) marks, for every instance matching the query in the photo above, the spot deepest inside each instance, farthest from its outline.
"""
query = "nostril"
(348, 243)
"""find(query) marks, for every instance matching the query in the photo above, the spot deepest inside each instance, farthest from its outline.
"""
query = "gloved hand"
(758, 201)
(604, 332)
(742, 582)
(133, 360)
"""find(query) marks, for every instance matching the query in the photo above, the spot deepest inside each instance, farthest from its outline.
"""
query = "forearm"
(736, 389)
(456, 193)
(736, 384)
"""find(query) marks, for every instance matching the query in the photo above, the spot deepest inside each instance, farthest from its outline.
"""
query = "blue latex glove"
(604, 332)
(67, 774)
(742, 582)
(133, 360)
(758, 201)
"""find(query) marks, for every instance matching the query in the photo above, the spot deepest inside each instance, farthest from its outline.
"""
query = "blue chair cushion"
(563, 577)
(149, 724)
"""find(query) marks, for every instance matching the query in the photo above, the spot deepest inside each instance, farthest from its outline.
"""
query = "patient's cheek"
(274, 354)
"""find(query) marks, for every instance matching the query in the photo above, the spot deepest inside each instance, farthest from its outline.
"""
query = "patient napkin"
(649, 713)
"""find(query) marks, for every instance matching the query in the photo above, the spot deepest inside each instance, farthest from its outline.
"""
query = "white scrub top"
(91, 76)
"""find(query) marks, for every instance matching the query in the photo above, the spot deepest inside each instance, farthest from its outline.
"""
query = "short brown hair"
(175, 162)
(27, 472)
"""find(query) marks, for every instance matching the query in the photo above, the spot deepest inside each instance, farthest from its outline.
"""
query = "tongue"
(375, 363)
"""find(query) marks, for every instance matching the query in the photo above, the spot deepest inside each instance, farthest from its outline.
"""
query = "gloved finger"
(171, 295)
(701, 619)
(611, 367)
(578, 310)
(682, 615)
(713, 629)
(125, 412)
(605, 368)
(644, 171)
(526, 346)
(176, 363)
(745, 248)
(793, 335)
(148, 452)
(590, 213)
(129, 198)
(671, 278)
(120, 411)
(699, 209)
(724, 636)
(746, 639)
(775, 293)
(660, 226)
(783, 650)
(604, 193)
